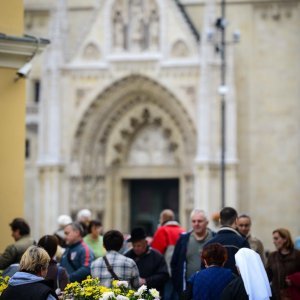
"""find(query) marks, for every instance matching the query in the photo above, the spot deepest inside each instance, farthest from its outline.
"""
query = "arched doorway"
(136, 130)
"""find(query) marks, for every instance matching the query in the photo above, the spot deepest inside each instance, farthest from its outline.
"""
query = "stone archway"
(134, 129)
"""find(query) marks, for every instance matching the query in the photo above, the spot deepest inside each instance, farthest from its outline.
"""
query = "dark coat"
(279, 267)
(152, 267)
(57, 277)
(232, 241)
(235, 290)
(178, 262)
(36, 290)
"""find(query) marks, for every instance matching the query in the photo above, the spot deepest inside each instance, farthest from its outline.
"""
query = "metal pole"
(223, 103)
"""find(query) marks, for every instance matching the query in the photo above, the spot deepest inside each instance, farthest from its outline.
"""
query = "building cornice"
(16, 51)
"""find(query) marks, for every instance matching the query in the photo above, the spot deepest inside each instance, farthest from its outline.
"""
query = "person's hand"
(142, 281)
(288, 282)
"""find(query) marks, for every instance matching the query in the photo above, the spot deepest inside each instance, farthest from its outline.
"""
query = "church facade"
(124, 112)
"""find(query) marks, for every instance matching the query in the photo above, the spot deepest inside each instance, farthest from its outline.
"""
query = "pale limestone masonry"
(128, 91)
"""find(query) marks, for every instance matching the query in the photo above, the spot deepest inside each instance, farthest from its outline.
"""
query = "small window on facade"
(27, 149)
(37, 88)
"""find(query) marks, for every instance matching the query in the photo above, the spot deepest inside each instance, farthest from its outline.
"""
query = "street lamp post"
(221, 25)
(218, 38)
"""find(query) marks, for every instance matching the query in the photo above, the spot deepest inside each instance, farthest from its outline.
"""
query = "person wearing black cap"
(151, 264)
(21, 234)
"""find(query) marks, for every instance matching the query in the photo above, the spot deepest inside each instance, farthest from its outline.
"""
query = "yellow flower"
(90, 289)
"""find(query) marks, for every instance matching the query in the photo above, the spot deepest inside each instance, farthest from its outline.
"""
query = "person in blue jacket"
(78, 257)
(186, 256)
(209, 283)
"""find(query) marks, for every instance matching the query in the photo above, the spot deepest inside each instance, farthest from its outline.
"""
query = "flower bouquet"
(90, 289)
(3, 283)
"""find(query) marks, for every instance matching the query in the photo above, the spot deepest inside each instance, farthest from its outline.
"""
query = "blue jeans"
(169, 292)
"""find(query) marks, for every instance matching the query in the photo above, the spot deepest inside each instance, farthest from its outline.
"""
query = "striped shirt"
(125, 268)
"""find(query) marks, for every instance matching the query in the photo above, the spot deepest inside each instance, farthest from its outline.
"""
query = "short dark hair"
(94, 223)
(113, 240)
(244, 216)
(214, 254)
(49, 243)
(227, 216)
(21, 225)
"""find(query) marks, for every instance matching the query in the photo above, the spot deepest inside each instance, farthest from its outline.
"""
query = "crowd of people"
(196, 264)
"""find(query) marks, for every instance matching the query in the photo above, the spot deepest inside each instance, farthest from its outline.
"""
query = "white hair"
(197, 211)
(84, 214)
(64, 220)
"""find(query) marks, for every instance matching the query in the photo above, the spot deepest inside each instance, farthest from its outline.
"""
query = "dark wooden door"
(148, 198)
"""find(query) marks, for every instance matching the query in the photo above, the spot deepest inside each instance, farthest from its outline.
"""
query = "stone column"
(231, 134)
(50, 157)
(206, 95)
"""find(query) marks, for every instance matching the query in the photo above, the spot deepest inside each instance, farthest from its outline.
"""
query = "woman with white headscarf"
(253, 284)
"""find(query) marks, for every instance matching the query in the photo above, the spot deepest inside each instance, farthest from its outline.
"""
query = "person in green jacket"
(94, 239)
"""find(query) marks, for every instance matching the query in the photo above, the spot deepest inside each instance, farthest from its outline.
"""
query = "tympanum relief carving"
(150, 147)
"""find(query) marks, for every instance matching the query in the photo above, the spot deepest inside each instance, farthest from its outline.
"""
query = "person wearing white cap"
(253, 284)
(62, 221)
(84, 217)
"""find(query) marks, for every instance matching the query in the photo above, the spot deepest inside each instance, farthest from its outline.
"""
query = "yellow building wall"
(12, 128)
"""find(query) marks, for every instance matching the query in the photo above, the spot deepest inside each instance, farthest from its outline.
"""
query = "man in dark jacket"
(229, 237)
(151, 264)
(186, 257)
(13, 253)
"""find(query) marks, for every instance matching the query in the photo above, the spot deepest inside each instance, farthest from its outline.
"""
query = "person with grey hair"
(186, 257)
(244, 227)
(78, 257)
(29, 282)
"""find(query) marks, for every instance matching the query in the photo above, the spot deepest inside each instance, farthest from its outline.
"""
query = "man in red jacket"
(164, 241)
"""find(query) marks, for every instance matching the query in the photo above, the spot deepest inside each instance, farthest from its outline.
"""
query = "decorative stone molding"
(151, 139)
(180, 49)
(87, 191)
(189, 191)
(91, 52)
(276, 11)
(111, 122)
(80, 95)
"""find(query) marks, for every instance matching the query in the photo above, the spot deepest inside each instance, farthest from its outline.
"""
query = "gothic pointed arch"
(135, 122)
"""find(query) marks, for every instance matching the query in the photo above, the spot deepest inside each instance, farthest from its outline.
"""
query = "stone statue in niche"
(153, 30)
(119, 33)
(137, 28)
